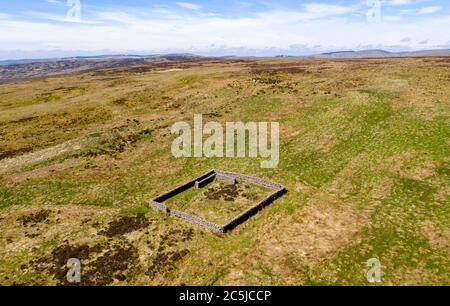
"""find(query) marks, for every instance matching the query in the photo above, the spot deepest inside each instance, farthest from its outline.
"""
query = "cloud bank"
(189, 27)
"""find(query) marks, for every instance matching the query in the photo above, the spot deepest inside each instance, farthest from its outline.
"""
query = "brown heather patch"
(439, 238)
(418, 276)
(321, 229)
(126, 225)
(43, 224)
(295, 243)
(41, 172)
(414, 165)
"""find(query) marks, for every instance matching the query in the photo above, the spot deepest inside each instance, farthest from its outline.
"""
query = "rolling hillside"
(364, 156)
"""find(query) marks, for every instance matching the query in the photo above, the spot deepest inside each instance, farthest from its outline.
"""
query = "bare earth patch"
(40, 172)
(318, 232)
(439, 239)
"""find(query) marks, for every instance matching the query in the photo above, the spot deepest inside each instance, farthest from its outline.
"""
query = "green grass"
(364, 157)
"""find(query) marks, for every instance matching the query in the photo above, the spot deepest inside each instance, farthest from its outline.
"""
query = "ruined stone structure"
(229, 178)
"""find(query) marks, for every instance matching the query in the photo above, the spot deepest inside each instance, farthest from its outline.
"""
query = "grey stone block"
(228, 179)
(204, 182)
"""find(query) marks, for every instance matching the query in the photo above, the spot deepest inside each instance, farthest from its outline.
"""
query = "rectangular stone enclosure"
(228, 178)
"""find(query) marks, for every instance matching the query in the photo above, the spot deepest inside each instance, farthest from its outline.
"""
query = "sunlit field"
(364, 154)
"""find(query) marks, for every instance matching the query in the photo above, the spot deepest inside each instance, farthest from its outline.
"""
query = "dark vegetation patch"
(13, 153)
(18, 121)
(10, 73)
(31, 134)
(275, 82)
(121, 72)
(32, 235)
(46, 97)
(166, 259)
(63, 253)
(169, 103)
(437, 60)
(279, 69)
(117, 140)
(179, 235)
(56, 263)
(104, 263)
(100, 264)
(32, 219)
(214, 114)
(70, 89)
(267, 80)
(126, 225)
(165, 62)
(165, 262)
(120, 101)
(109, 266)
(140, 69)
(226, 192)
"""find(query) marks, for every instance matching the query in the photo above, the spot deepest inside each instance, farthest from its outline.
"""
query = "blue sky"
(41, 28)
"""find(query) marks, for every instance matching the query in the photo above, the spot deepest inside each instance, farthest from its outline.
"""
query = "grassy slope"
(364, 155)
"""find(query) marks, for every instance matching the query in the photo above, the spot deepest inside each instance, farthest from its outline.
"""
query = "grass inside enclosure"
(219, 202)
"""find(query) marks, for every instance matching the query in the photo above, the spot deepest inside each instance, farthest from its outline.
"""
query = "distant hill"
(26, 69)
(382, 53)
(187, 56)
(36, 68)
(181, 56)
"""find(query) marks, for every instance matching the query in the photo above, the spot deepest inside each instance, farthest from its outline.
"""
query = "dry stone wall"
(229, 177)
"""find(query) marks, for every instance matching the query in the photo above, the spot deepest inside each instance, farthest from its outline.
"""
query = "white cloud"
(327, 9)
(399, 2)
(391, 18)
(421, 11)
(58, 18)
(311, 11)
(55, 2)
(315, 28)
(429, 10)
(189, 6)
(116, 16)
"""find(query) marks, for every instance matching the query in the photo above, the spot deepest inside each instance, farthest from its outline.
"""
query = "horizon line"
(203, 54)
